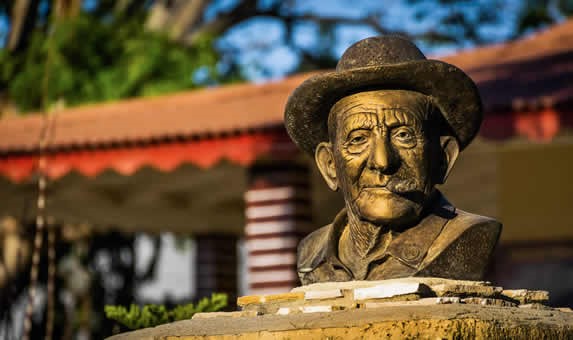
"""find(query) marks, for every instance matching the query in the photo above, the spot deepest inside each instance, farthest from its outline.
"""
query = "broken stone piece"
(248, 300)
(397, 298)
(209, 315)
(466, 290)
(283, 297)
(258, 299)
(488, 302)
(386, 291)
(525, 296)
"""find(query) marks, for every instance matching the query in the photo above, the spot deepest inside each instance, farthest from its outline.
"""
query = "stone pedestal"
(454, 321)
(409, 308)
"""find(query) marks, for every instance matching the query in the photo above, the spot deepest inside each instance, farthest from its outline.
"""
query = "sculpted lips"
(395, 186)
(377, 191)
(381, 192)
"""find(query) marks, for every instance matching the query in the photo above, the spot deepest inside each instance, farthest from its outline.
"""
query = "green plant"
(152, 315)
(86, 60)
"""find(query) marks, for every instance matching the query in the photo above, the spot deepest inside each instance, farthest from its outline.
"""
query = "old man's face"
(382, 155)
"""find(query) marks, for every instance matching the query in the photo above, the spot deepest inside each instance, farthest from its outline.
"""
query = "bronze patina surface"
(385, 128)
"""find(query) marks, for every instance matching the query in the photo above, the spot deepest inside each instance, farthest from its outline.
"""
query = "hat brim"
(454, 93)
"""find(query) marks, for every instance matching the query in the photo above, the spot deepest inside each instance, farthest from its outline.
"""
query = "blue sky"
(268, 52)
(264, 54)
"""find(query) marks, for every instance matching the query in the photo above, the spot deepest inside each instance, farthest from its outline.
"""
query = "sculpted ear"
(450, 150)
(325, 162)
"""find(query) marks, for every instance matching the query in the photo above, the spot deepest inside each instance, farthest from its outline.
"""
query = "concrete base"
(456, 321)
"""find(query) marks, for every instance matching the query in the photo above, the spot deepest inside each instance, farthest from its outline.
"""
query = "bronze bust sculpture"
(385, 128)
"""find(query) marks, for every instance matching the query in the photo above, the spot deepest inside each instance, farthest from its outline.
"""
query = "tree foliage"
(81, 51)
(153, 315)
(86, 60)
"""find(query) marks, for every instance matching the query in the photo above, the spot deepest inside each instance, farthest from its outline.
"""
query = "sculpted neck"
(360, 241)
(360, 237)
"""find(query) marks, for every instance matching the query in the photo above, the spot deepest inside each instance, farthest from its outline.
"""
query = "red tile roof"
(535, 71)
(529, 73)
(204, 112)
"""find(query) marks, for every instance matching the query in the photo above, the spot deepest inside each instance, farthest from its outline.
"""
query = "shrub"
(152, 315)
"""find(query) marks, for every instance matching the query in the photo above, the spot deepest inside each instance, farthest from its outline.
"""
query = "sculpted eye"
(404, 137)
(357, 141)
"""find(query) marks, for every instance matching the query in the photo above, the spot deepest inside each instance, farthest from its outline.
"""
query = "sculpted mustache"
(398, 185)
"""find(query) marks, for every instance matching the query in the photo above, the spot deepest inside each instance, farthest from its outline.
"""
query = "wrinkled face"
(382, 151)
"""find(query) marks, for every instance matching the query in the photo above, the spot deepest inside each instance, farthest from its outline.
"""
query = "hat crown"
(379, 51)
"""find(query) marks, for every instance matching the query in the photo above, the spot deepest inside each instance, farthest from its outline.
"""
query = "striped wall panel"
(278, 209)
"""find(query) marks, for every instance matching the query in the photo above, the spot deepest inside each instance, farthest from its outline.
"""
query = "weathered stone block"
(525, 296)
(463, 290)
(488, 302)
(445, 300)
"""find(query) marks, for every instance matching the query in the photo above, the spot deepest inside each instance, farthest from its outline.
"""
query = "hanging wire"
(40, 223)
(45, 136)
(50, 304)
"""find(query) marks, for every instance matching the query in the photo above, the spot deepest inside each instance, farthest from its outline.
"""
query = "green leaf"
(92, 59)
(153, 315)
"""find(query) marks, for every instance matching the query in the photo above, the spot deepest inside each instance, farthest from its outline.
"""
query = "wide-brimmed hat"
(386, 62)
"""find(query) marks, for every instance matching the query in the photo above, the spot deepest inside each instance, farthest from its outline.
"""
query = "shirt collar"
(409, 247)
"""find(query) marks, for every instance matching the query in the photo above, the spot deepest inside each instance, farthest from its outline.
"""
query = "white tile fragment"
(283, 311)
(317, 309)
(386, 290)
(322, 294)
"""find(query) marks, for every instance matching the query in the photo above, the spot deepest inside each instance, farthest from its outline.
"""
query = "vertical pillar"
(278, 210)
(216, 270)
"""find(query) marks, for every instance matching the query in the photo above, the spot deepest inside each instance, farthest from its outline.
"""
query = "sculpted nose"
(381, 155)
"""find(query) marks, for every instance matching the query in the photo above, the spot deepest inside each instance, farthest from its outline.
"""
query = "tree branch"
(374, 23)
(247, 10)
(23, 18)
(188, 14)
(158, 16)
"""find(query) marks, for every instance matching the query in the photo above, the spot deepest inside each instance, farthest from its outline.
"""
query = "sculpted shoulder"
(467, 219)
(464, 247)
(468, 225)
(462, 250)
(312, 249)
